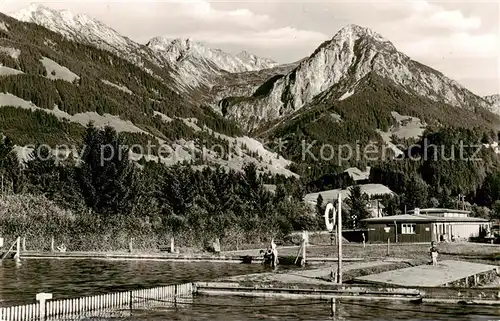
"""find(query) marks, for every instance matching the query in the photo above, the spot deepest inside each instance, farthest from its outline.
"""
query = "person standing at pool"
(274, 251)
(434, 253)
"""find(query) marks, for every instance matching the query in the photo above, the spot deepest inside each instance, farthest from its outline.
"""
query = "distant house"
(359, 176)
(332, 195)
(270, 187)
(375, 208)
(426, 225)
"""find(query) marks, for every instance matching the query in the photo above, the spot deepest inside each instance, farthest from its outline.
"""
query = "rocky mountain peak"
(356, 31)
(186, 48)
(357, 38)
(165, 44)
(196, 64)
(78, 27)
(348, 57)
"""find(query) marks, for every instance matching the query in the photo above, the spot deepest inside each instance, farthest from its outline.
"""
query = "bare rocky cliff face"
(494, 103)
(348, 57)
(243, 83)
(198, 65)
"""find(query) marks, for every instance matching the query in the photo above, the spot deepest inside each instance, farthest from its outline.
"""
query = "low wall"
(489, 296)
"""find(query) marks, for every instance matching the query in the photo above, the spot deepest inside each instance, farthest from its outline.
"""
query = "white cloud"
(204, 11)
(460, 39)
(428, 14)
(459, 44)
(281, 37)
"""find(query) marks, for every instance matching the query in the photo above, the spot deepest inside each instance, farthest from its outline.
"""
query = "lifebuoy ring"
(330, 222)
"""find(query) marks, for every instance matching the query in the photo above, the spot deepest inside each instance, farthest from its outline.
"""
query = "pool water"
(67, 278)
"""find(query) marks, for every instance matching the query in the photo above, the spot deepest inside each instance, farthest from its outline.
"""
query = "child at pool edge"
(434, 253)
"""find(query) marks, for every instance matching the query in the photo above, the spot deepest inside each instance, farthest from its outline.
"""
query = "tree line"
(105, 194)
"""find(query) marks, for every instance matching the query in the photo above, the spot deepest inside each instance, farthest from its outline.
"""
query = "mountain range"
(355, 86)
(193, 62)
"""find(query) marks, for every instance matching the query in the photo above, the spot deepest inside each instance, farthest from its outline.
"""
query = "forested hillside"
(102, 201)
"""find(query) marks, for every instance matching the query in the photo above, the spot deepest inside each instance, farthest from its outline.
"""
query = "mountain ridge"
(192, 63)
(181, 48)
(197, 64)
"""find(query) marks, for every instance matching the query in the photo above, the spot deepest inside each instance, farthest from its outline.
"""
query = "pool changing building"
(426, 225)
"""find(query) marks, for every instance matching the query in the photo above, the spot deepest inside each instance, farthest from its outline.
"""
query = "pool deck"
(427, 275)
(170, 257)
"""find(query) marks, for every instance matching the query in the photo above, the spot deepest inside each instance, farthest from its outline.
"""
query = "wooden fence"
(53, 309)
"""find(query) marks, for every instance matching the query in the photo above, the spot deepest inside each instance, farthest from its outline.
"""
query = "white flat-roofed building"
(440, 212)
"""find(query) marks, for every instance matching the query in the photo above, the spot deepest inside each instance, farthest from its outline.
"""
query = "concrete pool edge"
(168, 257)
(470, 296)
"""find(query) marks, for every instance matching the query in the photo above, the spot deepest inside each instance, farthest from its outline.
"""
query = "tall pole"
(339, 233)
(461, 200)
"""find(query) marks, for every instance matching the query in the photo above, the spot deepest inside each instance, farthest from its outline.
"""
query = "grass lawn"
(474, 252)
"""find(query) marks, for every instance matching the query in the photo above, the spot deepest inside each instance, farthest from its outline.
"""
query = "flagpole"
(339, 233)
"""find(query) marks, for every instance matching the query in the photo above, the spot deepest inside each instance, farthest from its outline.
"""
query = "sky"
(459, 38)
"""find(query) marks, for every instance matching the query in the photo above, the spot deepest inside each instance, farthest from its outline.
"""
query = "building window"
(407, 228)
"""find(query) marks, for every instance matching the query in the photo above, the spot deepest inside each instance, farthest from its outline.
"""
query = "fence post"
(172, 245)
(130, 245)
(303, 262)
(42, 297)
(175, 295)
(52, 244)
(388, 242)
(18, 248)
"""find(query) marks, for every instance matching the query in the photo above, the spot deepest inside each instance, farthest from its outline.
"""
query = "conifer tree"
(42, 172)
(357, 202)
(319, 204)
(105, 175)
(12, 178)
